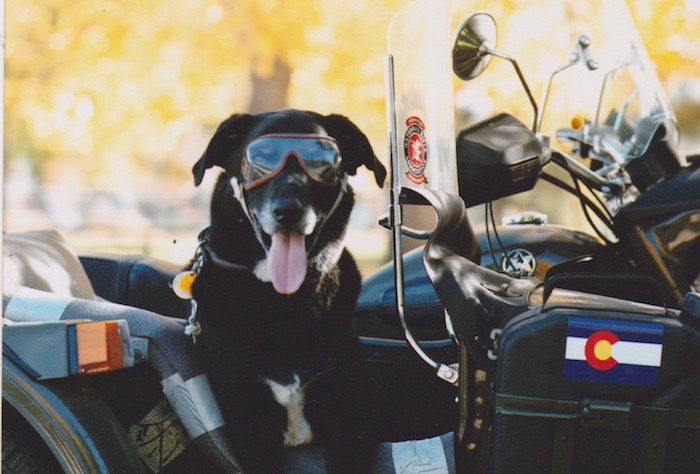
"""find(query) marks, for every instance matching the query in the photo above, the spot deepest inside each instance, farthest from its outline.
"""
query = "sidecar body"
(153, 413)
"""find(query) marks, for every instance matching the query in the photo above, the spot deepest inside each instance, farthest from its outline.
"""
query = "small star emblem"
(519, 263)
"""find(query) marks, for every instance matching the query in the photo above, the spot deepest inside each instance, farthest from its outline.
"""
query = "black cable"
(571, 190)
(601, 204)
(561, 161)
(586, 208)
(587, 205)
(498, 239)
(488, 234)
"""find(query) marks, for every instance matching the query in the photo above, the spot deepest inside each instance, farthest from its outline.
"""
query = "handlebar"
(591, 178)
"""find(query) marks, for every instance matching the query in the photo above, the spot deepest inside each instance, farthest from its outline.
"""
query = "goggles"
(266, 156)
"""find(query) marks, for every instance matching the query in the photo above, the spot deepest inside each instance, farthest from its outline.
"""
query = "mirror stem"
(547, 89)
(512, 60)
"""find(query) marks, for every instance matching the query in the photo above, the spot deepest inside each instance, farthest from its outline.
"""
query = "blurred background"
(108, 104)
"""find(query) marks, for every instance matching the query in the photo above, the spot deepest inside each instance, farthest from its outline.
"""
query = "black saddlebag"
(591, 384)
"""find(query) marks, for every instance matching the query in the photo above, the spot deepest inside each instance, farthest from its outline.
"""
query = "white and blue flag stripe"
(613, 351)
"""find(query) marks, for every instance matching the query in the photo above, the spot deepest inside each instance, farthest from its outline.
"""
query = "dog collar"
(183, 281)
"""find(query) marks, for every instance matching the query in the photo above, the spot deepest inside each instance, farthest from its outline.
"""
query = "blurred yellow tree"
(104, 84)
(126, 95)
(109, 85)
(671, 31)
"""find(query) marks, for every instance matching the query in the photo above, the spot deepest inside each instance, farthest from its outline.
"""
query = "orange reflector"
(99, 346)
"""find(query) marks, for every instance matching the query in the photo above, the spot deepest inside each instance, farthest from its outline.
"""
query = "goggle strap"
(338, 199)
(341, 193)
(238, 194)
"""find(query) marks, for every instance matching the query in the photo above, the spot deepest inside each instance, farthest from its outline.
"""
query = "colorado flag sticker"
(602, 350)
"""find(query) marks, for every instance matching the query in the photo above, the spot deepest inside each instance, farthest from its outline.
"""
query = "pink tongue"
(286, 262)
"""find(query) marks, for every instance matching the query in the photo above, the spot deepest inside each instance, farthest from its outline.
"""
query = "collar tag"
(182, 284)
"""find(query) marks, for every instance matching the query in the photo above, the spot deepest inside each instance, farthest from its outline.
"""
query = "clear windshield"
(609, 87)
(611, 84)
(420, 41)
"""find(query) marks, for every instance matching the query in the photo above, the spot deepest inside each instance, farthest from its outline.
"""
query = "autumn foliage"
(119, 98)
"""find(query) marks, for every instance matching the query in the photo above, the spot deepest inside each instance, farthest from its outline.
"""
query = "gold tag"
(182, 284)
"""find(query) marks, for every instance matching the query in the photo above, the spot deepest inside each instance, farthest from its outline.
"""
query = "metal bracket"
(448, 374)
(606, 415)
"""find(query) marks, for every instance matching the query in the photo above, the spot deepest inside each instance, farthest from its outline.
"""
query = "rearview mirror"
(473, 45)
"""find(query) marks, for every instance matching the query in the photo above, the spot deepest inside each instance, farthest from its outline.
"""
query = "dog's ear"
(227, 141)
(354, 147)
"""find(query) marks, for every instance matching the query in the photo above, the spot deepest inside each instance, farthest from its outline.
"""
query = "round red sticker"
(415, 149)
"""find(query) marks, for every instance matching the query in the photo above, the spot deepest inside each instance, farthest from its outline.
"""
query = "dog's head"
(291, 168)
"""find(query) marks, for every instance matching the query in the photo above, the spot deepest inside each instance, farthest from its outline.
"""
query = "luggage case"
(593, 384)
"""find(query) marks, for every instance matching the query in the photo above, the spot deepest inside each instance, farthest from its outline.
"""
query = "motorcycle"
(634, 188)
(559, 351)
(563, 406)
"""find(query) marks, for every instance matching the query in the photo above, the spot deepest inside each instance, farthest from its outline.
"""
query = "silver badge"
(519, 263)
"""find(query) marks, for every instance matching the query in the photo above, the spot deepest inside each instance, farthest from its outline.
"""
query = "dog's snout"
(287, 211)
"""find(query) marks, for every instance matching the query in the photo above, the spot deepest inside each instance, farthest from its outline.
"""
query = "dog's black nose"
(288, 211)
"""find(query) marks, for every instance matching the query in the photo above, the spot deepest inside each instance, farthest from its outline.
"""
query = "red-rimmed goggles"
(267, 155)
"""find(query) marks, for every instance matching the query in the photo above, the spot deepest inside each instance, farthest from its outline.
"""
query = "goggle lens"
(319, 156)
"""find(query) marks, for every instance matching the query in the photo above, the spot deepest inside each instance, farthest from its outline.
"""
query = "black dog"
(277, 288)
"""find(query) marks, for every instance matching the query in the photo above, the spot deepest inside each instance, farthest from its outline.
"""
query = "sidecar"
(127, 394)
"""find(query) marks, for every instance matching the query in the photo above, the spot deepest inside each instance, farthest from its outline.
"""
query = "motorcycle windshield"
(420, 40)
(608, 83)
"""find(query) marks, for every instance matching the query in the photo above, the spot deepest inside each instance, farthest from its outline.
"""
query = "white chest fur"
(292, 398)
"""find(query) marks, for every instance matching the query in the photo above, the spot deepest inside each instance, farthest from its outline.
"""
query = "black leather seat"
(138, 281)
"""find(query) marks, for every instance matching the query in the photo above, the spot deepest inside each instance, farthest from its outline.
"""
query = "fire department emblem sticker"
(415, 150)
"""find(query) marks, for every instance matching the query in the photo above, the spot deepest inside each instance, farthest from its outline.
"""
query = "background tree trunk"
(270, 92)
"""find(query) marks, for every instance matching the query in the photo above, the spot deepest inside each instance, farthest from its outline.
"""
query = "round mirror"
(472, 47)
